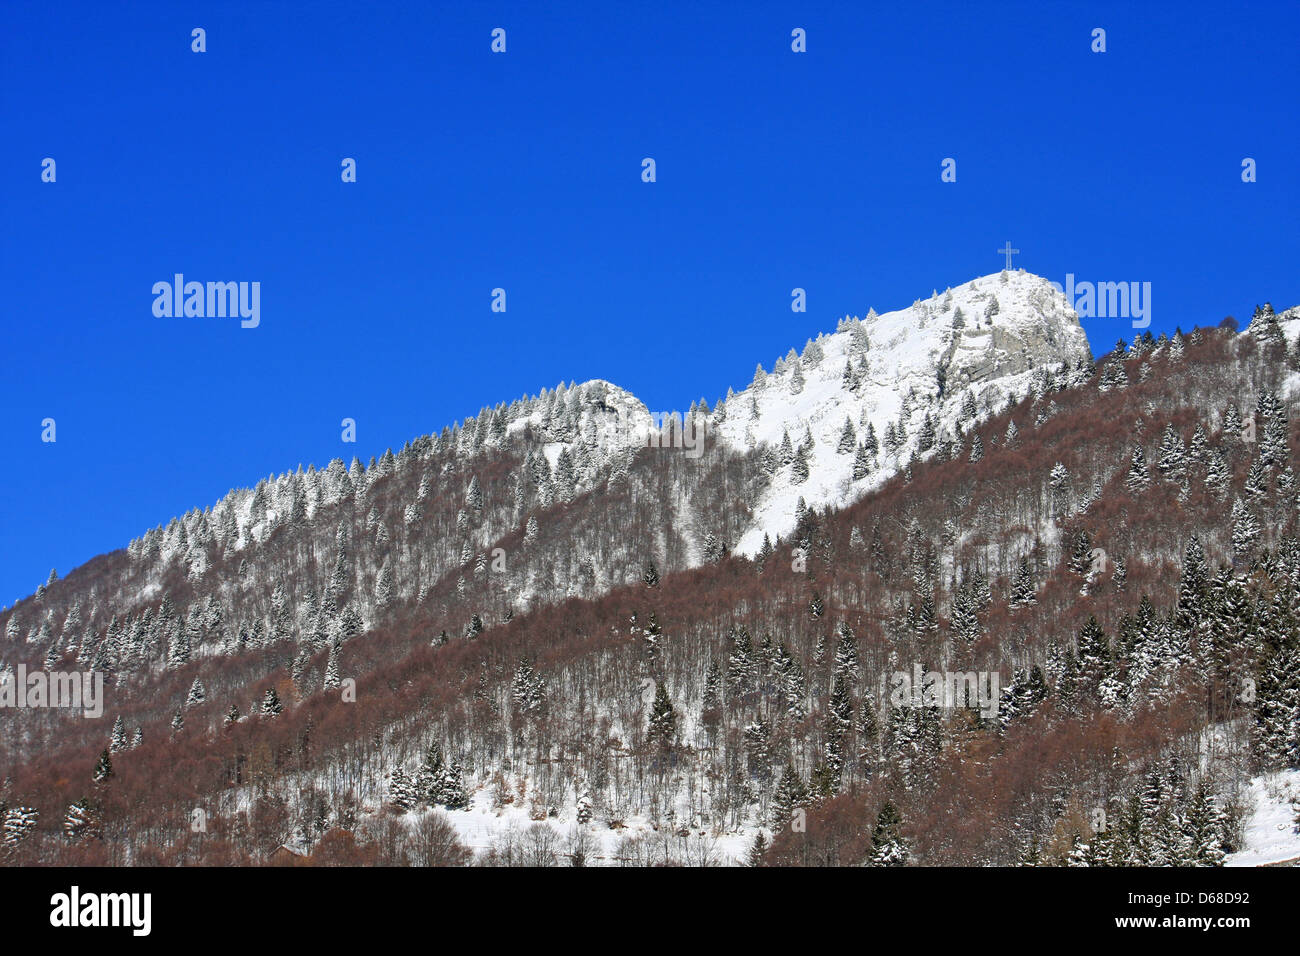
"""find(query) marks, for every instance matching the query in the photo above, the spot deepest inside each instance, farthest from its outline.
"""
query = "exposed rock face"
(611, 416)
(1034, 326)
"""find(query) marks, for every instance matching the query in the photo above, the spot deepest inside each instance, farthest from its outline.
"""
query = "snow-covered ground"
(1271, 835)
(483, 826)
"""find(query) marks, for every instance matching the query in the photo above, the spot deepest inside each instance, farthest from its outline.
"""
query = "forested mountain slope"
(536, 613)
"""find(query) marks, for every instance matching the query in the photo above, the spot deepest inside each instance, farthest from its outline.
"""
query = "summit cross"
(1009, 252)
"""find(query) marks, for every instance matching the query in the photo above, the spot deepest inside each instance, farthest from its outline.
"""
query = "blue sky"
(522, 170)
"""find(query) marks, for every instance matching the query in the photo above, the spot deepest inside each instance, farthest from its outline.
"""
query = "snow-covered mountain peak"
(904, 381)
(596, 413)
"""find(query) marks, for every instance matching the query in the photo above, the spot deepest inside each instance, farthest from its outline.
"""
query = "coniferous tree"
(1022, 586)
(711, 699)
(1138, 475)
(839, 723)
(662, 728)
(799, 467)
(1276, 726)
(1172, 460)
(713, 550)
(332, 678)
(103, 768)
(527, 689)
(271, 706)
(178, 653)
(963, 622)
(1081, 554)
(871, 444)
(117, 740)
(848, 438)
(861, 463)
(888, 848)
(83, 821)
(742, 669)
(19, 822)
(925, 440)
(1257, 480)
(401, 792)
(429, 778)
(452, 794)
(384, 586)
(1245, 529)
(1204, 826)
(791, 795)
(816, 607)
